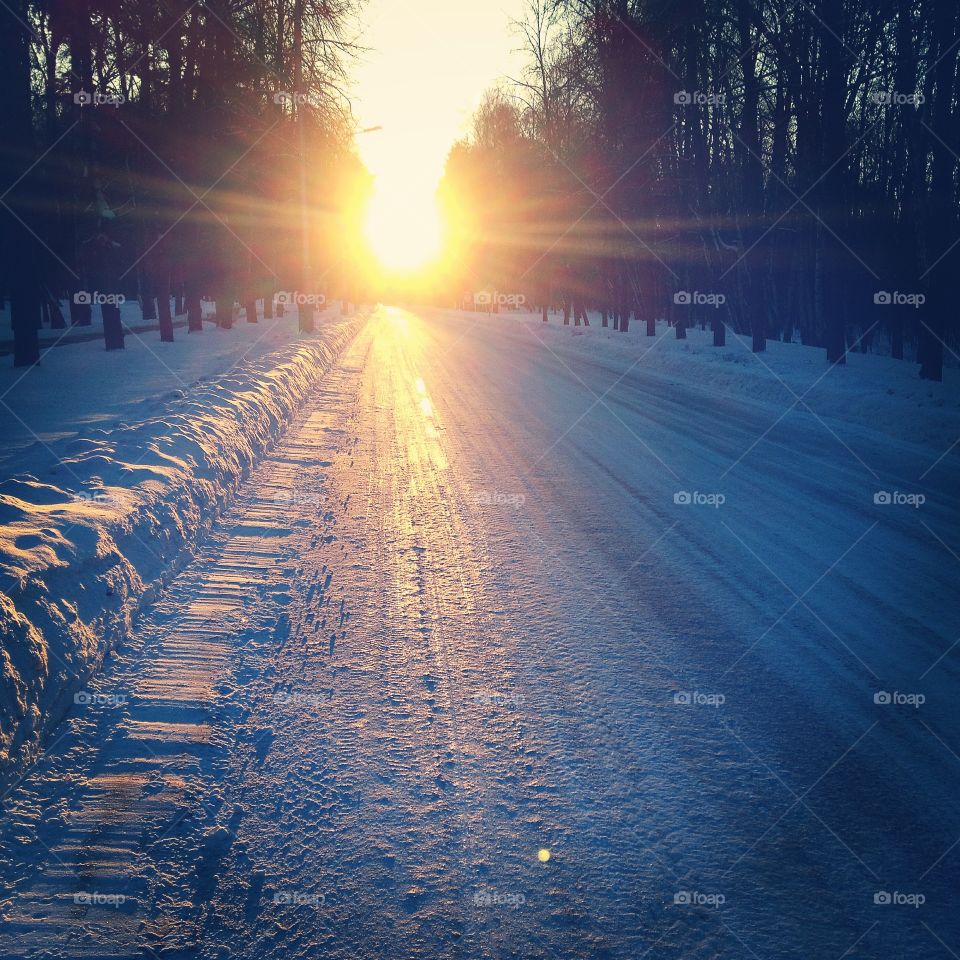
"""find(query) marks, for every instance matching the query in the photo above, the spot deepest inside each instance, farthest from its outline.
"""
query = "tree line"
(784, 168)
(168, 150)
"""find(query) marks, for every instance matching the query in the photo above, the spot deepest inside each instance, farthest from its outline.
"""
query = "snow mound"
(871, 392)
(85, 546)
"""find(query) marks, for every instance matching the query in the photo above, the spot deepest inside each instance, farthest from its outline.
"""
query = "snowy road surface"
(457, 619)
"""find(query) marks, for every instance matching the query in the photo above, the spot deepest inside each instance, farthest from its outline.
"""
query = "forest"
(168, 151)
(783, 168)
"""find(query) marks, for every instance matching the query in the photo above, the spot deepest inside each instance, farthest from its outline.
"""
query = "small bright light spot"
(543, 855)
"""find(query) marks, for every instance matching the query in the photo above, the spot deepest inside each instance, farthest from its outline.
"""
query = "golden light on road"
(402, 228)
(398, 319)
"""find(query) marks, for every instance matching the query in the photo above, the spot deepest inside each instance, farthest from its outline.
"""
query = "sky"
(427, 67)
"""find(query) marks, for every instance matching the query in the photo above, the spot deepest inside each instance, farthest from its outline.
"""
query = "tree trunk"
(80, 313)
(57, 321)
(907, 162)
(896, 334)
(166, 321)
(941, 219)
(223, 307)
(112, 327)
(148, 306)
(194, 313)
(719, 331)
(751, 172)
(24, 317)
(305, 317)
(16, 239)
(834, 183)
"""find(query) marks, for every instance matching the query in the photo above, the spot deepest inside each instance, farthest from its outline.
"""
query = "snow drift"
(84, 546)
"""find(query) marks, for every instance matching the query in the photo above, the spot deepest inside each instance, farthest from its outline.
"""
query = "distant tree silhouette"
(794, 163)
(160, 153)
(19, 253)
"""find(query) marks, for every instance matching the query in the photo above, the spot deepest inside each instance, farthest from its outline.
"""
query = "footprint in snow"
(216, 843)
(251, 909)
(262, 744)
(413, 899)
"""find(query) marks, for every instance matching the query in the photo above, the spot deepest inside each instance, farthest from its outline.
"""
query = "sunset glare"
(457, 59)
(403, 232)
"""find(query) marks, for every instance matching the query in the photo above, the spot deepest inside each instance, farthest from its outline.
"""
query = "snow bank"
(86, 540)
(78, 387)
(874, 393)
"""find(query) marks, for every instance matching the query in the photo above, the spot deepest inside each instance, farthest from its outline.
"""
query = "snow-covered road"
(457, 676)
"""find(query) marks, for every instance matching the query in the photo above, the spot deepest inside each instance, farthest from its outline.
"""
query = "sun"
(403, 229)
